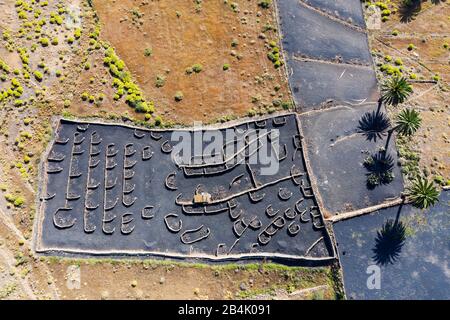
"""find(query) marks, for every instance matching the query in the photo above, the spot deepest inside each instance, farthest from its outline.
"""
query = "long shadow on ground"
(340, 157)
(411, 247)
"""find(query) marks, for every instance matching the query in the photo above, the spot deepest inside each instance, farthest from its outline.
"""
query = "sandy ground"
(427, 31)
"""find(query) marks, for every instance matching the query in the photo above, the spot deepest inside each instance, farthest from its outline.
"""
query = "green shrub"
(19, 201)
(38, 75)
(398, 62)
(158, 120)
(160, 81)
(439, 180)
(179, 96)
(265, 3)
(286, 105)
(77, 33)
(148, 52)
(226, 66)
(44, 42)
(18, 103)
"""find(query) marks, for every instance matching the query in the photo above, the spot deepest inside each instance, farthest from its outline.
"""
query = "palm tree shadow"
(374, 125)
(379, 167)
(408, 11)
(389, 241)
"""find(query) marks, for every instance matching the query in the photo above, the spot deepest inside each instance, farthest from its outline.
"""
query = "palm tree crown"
(423, 193)
(408, 122)
(395, 90)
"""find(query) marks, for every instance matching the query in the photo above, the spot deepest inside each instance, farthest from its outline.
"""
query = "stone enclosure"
(117, 190)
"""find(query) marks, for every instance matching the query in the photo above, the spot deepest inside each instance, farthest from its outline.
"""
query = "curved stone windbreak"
(121, 191)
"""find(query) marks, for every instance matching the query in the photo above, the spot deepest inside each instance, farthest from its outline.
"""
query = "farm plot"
(341, 155)
(316, 83)
(347, 10)
(327, 52)
(410, 247)
(117, 190)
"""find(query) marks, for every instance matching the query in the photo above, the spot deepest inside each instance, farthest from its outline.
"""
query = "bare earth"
(180, 36)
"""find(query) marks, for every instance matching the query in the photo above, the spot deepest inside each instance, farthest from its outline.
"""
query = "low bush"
(38, 75)
(179, 96)
(265, 4)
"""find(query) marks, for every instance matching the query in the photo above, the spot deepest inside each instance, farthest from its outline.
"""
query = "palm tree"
(423, 193)
(407, 123)
(395, 91)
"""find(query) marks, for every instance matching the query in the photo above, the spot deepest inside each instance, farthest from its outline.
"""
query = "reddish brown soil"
(204, 37)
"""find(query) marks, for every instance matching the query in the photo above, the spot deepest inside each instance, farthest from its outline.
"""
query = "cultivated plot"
(116, 190)
(347, 10)
(344, 158)
(410, 246)
(327, 52)
(314, 84)
(321, 38)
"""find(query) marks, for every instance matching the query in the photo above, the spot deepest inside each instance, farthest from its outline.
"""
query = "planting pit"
(119, 191)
